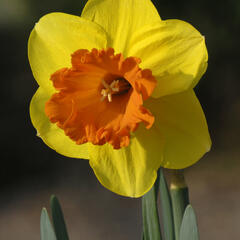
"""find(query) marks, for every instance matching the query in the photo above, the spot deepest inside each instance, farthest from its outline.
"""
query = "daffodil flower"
(116, 87)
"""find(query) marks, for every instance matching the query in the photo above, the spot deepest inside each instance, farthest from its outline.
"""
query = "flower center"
(117, 87)
(81, 106)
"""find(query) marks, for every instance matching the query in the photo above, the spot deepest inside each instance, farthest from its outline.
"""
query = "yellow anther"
(105, 84)
(109, 97)
(108, 90)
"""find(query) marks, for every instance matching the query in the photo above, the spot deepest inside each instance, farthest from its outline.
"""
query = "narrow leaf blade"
(46, 229)
(58, 219)
(180, 199)
(166, 207)
(151, 226)
(189, 229)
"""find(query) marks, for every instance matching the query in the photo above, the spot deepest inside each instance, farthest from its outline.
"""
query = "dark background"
(31, 172)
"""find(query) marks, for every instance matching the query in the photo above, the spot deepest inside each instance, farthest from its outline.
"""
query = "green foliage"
(60, 231)
(177, 216)
(189, 229)
(58, 219)
(151, 226)
(47, 232)
(179, 197)
(173, 205)
(166, 206)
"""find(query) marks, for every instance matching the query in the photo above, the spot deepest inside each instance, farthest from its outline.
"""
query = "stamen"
(102, 98)
(115, 82)
(109, 89)
(109, 97)
(105, 84)
(104, 92)
(115, 89)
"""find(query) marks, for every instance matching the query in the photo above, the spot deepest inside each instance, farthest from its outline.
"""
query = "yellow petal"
(175, 52)
(53, 136)
(120, 18)
(178, 139)
(54, 38)
(128, 171)
(181, 124)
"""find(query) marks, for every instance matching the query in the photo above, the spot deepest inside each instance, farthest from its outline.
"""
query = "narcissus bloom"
(116, 87)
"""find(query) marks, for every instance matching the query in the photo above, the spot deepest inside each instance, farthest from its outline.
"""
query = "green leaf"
(58, 219)
(180, 199)
(166, 207)
(189, 229)
(151, 225)
(47, 232)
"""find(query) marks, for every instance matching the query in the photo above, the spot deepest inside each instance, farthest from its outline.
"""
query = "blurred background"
(31, 172)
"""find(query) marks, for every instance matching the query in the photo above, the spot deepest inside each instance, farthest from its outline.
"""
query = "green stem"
(180, 199)
(166, 208)
(151, 225)
(58, 219)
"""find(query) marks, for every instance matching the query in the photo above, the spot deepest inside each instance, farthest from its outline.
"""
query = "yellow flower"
(105, 75)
